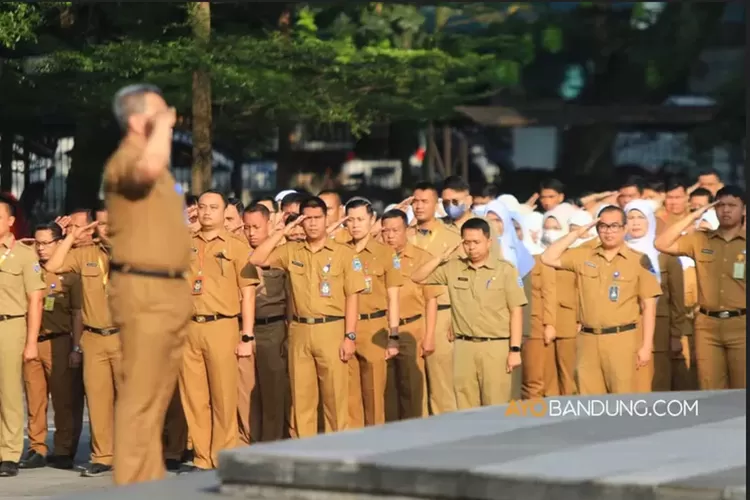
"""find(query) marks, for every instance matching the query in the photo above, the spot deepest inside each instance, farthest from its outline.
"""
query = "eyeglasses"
(605, 228)
(43, 244)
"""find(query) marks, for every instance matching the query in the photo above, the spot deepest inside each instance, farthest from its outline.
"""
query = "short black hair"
(8, 202)
(702, 192)
(657, 186)
(395, 213)
(491, 190)
(426, 186)
(359, 202)
(312, 202)
(709, 171)
(237, 203)
(271, 200)
(190, 200)
(676, 182)
(613, 208)
(214, 191)
(291, 199)
(53, 227)
(331, 192)
(735, 191)
(476, 223)
(90, 214)
(256, 208)
(455, 183)
(553, 184)
(636, 181)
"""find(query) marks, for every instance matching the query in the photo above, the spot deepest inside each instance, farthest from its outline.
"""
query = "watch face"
(351, 336)
(246, 338)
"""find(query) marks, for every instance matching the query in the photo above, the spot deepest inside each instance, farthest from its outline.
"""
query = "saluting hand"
(583, 230)
(531, 202)
(336, 224)
(404, 205)
(702, 210)
(447, 254)
(78, 232)
(296, 222)
(63, 221)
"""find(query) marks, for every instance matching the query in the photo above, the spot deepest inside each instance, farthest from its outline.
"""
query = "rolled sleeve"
(439, 276)
(686, 244)
(572, 258)
(354, 278)
(32, 277)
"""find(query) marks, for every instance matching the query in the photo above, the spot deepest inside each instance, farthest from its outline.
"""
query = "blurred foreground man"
(21, 295)
(149, 296)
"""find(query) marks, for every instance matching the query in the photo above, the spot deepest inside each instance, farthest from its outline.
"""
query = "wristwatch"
(247, 338)
(393, 336)
(515, 348)
(77, 349)
(351, 336)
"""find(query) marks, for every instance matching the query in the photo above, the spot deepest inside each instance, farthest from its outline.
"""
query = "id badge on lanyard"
(197, 288)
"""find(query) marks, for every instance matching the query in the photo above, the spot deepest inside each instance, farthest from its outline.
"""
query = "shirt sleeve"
(648, 285)
(279, 257)
(514, 289)
(393, 277)
(354, 278)
(686, 244)
(679, 324)
(75, 292)
(32, 276)
(439, 276)
(549, 294)
(72, 262)
(247, 274)
(572, 258)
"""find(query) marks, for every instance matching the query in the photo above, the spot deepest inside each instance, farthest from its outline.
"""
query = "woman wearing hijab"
(531, 225)
(671, 314)
(578, 220)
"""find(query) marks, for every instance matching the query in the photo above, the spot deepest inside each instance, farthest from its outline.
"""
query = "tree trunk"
(200, 20)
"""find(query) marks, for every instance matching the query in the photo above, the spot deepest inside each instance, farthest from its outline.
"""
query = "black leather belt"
(49, 336)
(609, 329)
(269, 320)
(207, 318)
(375, 315)
(316, 321)
(101, 331)
(444, 307)
(127, 269)
(6, 317)
(723, 314)
(408, 320)
(469, 338)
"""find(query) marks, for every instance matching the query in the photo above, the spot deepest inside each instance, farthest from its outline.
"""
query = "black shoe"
(95, 470)
(172, 465)
(32, 460)
(63, 462)
(187, 456)
(8, 469)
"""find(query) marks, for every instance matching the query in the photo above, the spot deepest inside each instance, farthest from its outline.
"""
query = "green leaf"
(552, 39)
(653, 75)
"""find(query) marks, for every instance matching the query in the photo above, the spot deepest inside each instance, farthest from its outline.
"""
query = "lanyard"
(4, 256)
(201, 254)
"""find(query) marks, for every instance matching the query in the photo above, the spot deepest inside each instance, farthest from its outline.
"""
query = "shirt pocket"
(91, 273)
(273, 280)
(10, 275)
(460, 290)
(494, 293)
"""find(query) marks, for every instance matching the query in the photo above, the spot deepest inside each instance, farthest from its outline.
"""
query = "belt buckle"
(310, 321)
(200, 319)
(724, 314)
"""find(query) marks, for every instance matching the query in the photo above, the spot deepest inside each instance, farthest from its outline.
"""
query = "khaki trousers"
(13, 336)
(316, 372)
(406, 386)
(246, 401)
(51, 375)
(479, 373)
(152, 314)
(440, 384)
(720, 352)
(273, 397)
(368, 373)
(606, 362)
(539, 369)
(102, 375)
(208, 388)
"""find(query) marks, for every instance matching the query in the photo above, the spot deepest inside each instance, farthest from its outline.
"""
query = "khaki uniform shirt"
(270, 297)
(413, 296)
(20, 275)
(91, 261)
(567, 300)
(435, 239)
(671, 304)
(610, 292)
(720, 267)
(543, 298)
(340, 235)
(381, 268)
(321, 280)
(481, 298)
(147, 226)
(223, 270)
(64, 295)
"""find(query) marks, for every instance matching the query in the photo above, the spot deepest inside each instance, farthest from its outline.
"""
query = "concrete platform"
(485, 454)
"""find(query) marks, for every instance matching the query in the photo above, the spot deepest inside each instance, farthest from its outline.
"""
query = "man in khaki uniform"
(271, 405)
(435, 238)
(487, 298)
(233, 216)
(335, 216)
(610, 345)
(148, 293)
(218, 275)
(53, 374)
(377, 328)
(21, 295)
(325, 284)
(79, 253)
(720, 259)
(406, 391)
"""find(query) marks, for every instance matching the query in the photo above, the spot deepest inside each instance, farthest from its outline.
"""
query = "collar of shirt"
(624, 250)
(715, 234)
(367, 247)
(429, 227)
(222, 235)
(327, 243)
(408, 251)
(7, 241)
(489, 263)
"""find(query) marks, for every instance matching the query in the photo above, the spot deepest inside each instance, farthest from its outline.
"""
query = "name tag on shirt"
(739, 271)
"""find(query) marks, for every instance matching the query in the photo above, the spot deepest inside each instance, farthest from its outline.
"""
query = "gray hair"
(129, 100)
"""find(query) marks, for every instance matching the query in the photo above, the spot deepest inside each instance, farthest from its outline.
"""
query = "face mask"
(479, 210)
(455, 211)
(550, 236)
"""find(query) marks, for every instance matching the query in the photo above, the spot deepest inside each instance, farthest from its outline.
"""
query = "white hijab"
(513, 250)
(645, 244)
(510, 202)
(710, 218)
(532, 222)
